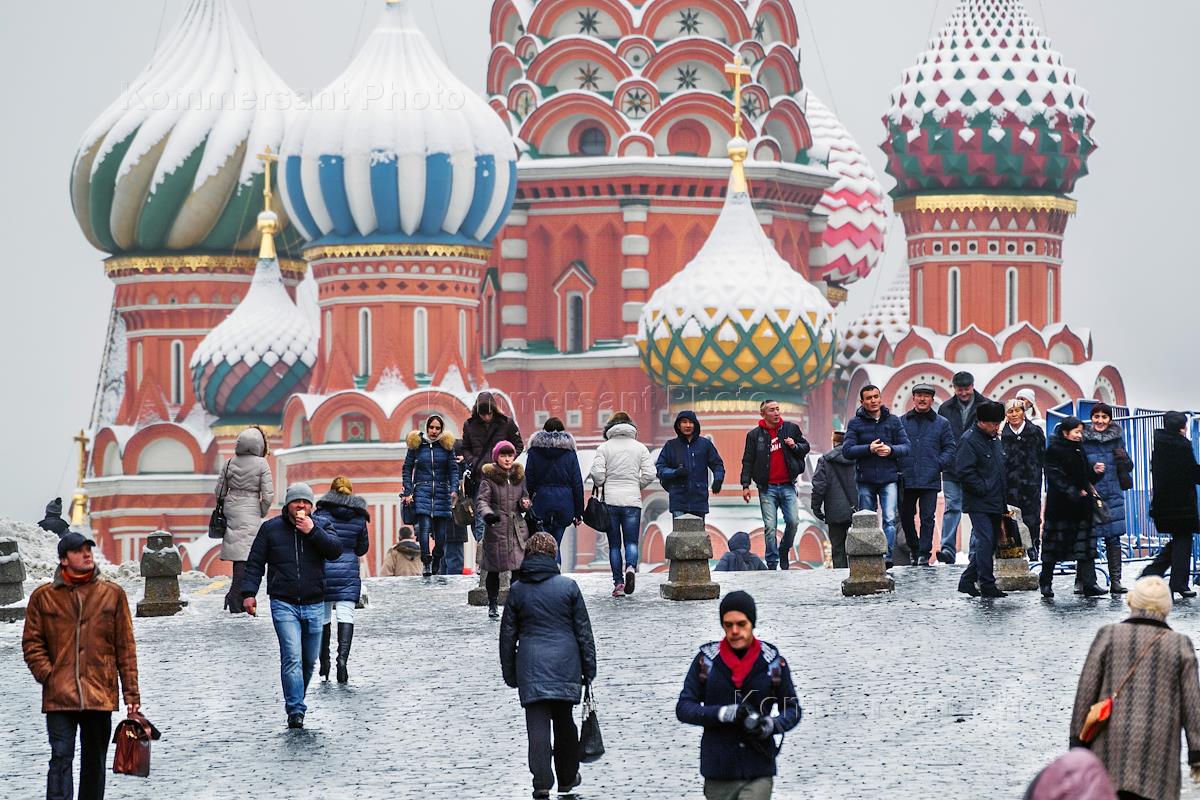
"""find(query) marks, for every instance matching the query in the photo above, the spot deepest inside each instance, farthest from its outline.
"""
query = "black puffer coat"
(1173, 464)
(294, 562)
(1068, 532)
(546, 645)
(479, 438)
(346, 517)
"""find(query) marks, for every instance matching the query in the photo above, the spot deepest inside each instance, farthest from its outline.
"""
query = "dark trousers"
(95, 728)
(491, 581)
(1085, 572)
(539, 718)
(1175, 555)
(926, 501)
(984, 529)
(837, 543)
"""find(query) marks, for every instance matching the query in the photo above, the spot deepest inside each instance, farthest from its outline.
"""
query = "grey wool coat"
(501, 493)
(1140, 745)
(250, 494)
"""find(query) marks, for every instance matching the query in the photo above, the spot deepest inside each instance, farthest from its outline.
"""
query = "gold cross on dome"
(268, 158)
(738, 70)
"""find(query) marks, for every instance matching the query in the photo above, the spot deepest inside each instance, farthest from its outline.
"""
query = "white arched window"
(954, 300)
(328, 333)
(176, 373)
(364, 341)
(462, 336)
(1050, 297)
(920, 304)
(1010, 296)
(421, 342)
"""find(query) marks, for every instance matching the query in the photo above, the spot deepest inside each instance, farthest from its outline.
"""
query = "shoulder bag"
(218, 526)
(1100, 512)
(464, 509)
(591, 743)
(408, 511)
(1097, 716)
(595, 513)
(132, 738)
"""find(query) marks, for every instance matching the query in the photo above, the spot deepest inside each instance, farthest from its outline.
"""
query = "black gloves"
(716, 487)
(492, 518)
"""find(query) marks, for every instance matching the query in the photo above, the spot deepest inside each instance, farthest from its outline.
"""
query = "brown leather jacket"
(77, 639)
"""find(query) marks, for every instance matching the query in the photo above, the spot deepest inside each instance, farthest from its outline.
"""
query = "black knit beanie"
(740, 601)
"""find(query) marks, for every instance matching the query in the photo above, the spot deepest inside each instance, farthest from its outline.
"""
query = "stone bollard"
(12, 578)
(688, 551)
(477, 596)
(1012, 557)
(865, 548)
(161, 567)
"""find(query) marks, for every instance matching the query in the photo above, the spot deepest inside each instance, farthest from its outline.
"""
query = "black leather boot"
(324, 670)
(345, 637)
(1114, 572)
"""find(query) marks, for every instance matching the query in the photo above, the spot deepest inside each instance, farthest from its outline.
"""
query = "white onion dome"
(990, 105)
(171, 165)
(887, 316)
(246, 368)
(737, 316)
(398, 149)
(854, 236)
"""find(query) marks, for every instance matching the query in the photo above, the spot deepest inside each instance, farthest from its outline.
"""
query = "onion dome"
(262, 353)
(854, 237)
(887, 316)
(170, 165)
(398, 149)
(989, 105)
(737, 316)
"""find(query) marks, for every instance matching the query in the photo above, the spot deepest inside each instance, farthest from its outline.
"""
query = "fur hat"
(342, 485)
(740, 601)
(990, 412)
(299, 491)
(502, 447)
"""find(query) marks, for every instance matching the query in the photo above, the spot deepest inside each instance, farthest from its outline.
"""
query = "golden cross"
(738, 70)
(268, 158)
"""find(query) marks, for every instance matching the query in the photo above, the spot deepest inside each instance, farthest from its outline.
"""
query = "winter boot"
(427, 572)
(324, 670)
(345, 637)
(493, 609)
(1114, 572)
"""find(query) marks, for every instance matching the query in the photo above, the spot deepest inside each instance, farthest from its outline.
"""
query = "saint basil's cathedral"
(647, 211)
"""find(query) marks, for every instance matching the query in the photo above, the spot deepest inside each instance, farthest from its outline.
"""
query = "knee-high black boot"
(1114, 571)
(325, 632)
(345, 637)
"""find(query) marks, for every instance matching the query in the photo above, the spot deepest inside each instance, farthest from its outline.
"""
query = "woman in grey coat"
(246, 482)
(1140, 744)
(501, 503)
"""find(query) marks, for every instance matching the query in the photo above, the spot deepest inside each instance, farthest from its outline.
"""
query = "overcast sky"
(1129, 255)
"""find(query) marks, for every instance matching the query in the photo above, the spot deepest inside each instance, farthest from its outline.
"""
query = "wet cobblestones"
(916, 694)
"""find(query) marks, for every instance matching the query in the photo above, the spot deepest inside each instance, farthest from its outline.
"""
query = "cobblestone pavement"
(917, 694)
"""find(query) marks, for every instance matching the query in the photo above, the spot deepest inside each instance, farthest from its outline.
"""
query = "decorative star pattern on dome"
(587, 21)
(689, 21)
(760, 29)
(637, 103)
(589, 77)
(751, 105)
(686, 77)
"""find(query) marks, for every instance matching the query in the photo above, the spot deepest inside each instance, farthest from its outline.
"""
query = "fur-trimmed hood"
(496, 475)
(626, 429)
(552, 440)
(332, 499)
(1112, 433)
(417, 438)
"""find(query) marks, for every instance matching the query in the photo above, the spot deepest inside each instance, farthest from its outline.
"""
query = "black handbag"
(533, 522)
(464, 508)
(591, 743)
(218, 526)
(1100, 513)
(595, 513)
(408, 511)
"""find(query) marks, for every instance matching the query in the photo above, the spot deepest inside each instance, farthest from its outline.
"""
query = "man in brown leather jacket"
(78, 638)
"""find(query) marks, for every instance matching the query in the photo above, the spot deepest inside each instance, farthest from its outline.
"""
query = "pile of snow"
(39, 550)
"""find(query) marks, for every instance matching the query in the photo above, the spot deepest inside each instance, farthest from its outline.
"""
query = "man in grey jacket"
(834, 495)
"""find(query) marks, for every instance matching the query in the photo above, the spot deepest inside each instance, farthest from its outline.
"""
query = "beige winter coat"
(1140, 745)
(251, 493)
(403, 560)
(623, 466)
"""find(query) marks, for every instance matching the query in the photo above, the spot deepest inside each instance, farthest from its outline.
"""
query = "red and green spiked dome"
(171, 165)
(989, 106)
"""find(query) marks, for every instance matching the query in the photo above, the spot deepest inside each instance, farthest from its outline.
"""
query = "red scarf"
(72, 579)
(740, 667)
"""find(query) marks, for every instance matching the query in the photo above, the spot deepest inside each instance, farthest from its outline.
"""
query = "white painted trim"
(425, 276)
(630, 312)
(567, 361)
(635, 213)
(513, 344)
(959, 258)
(514, 248)
(516, 218)
(634, 278)
(140, 334)
(635, 245)
(150, 484)
(183, 277)
(645, 169)
(514, 282)
(514, 315)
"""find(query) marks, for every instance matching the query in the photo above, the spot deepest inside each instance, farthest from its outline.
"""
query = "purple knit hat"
(502, 447)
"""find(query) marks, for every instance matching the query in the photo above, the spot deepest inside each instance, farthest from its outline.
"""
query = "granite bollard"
(1012, 557)
(161, 567)
(477, 596)
(12, 576)
(688, 550)
(865, 548)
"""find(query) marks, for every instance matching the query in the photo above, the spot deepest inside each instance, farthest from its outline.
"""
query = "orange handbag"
(1098, 714)
(132, 738)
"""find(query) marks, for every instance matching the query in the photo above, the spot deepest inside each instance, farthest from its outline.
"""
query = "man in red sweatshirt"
(773, 459)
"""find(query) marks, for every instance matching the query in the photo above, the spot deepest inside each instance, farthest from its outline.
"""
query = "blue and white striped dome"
(398, 150)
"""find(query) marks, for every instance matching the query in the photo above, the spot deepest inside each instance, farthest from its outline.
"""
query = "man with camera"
(730, 690)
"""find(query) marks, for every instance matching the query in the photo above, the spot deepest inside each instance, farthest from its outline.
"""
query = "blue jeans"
(983, 544)
(452, 559)
(557, 531)
(299, 631)
(779, 497)
(427, 525)
(952, 515)
(95, 729)
(624, 523)
(881, 497)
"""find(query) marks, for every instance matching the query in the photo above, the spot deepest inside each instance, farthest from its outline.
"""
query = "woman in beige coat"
(246, 482)
(1140, 744)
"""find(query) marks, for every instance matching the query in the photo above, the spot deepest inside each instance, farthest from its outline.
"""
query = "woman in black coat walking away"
(1069, 533)
(554, 479)
(344, 515)
(547, 653)
(1173, 504)
(1024, 454)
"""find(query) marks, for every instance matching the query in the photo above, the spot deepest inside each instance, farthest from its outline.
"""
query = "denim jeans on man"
(624, 523)
(779, 497)
(95, 728)
(881, 497)
(951, 514)
(924, 502)
(984, 529)
(299, 631)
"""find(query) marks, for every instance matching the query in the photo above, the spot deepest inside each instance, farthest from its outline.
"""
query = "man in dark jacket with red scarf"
(774, 459)
(730, 690)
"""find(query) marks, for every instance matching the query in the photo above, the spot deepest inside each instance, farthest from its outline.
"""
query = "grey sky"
(1128, 253)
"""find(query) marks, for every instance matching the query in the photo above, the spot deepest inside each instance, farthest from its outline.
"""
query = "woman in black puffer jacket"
(1069, 533)
(547, 652)
(343, 514)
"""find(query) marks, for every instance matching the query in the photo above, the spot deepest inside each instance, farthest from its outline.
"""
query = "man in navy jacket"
(931, 451)
(293, 548)
(773, 459)
(960, 412)
(980, 466)
(876, 439)
(683, 467)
